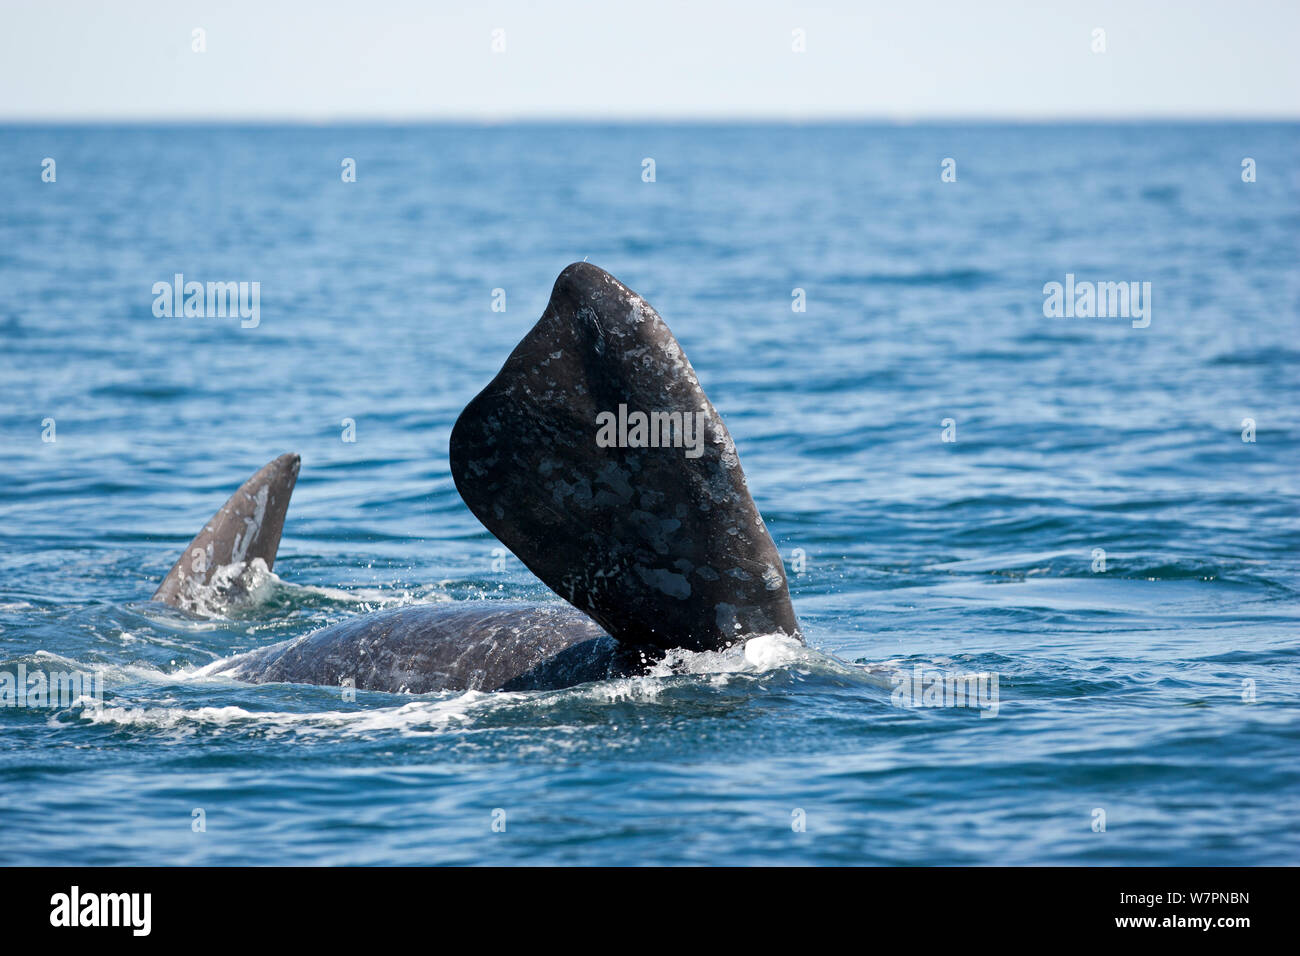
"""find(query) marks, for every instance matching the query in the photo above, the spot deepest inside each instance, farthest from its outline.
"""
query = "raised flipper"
(662, 546)
(248, 526)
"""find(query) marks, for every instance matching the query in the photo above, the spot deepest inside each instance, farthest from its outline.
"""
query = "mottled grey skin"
(248, 526)
(654, 549)
(659, 548)
(470, 645)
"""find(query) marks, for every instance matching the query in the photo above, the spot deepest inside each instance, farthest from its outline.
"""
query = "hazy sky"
(381, 59)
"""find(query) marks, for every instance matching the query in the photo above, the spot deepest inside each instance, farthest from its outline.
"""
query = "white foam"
(418, 717)
(371, 599)
(770, 651)
(769, 654)
(238, 585)
(228, 584)
(766, 652)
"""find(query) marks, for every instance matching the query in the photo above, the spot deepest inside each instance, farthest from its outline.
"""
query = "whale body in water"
(596, 458)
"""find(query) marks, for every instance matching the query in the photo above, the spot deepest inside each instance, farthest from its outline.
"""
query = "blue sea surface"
(1099, 536)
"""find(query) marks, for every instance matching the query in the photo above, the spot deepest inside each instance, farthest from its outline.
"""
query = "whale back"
(651, 531)
(426, 648)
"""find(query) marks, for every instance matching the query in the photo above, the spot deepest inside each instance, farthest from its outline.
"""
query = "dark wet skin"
(247, 527)
(654, 548)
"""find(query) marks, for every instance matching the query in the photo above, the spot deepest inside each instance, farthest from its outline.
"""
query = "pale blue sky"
(400, 59)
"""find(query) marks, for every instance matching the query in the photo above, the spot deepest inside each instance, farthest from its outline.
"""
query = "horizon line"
(775, 119)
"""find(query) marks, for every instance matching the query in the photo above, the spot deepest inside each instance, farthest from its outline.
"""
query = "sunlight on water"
(1096, 536)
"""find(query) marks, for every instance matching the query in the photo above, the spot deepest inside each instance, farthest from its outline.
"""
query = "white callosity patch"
(252, 525)
(773, 579)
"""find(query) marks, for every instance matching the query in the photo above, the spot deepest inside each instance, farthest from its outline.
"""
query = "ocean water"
(1146, 708)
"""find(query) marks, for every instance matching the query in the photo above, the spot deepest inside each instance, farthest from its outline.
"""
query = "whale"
(246, 529)
(595, 456)
(462, 646)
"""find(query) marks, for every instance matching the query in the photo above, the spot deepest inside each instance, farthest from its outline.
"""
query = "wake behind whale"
(653, 549)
